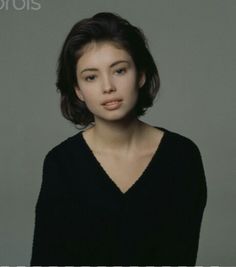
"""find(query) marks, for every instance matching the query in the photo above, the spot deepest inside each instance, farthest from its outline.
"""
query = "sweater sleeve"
(195, 171)
(48, 246)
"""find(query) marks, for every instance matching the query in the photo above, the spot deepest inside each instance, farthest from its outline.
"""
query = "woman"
(121, 192)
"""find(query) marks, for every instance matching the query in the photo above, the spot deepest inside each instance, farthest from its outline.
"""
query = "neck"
(117, 137)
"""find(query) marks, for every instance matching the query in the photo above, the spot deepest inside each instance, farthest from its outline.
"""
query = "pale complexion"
(105, 71)
(118, 139)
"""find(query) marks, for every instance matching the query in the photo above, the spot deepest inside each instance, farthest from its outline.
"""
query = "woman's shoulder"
(179, 142)
(183, 153)
(66, 147)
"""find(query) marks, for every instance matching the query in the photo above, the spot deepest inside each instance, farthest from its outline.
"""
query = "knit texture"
(82, 217)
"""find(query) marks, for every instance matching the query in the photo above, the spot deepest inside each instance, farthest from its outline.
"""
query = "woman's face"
(105, 72)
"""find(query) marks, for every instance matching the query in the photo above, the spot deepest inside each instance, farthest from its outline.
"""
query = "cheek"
(90, 99)
(132, 81)
(130, 86)
(85, 91)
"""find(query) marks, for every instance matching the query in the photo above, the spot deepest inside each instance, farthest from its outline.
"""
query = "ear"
(79, 93)
(142, 79)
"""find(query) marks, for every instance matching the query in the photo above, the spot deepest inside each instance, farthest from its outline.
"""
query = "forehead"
(102, 52)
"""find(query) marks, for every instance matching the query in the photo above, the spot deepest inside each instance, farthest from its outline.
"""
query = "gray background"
(193, 43)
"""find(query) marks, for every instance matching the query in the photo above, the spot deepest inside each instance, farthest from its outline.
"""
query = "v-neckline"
(141, 177)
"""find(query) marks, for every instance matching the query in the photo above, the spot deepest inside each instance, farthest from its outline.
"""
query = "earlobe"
(79, 93)
(142, 79)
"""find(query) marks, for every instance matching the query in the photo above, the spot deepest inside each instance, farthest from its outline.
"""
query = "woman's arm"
(196, 174)
(48, 246)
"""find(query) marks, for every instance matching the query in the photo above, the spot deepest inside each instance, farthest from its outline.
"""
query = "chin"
(117, 116)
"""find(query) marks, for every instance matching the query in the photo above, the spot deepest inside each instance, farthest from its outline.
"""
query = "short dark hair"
(104, 26)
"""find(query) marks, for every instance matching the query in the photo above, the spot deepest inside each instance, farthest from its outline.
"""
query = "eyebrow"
(112, 65)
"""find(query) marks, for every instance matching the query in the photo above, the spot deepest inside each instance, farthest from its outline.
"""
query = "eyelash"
(93, 76)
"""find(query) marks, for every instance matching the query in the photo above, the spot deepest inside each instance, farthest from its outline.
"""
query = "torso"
(125, 171)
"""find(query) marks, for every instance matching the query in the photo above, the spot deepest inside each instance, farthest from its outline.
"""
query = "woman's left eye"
(90, 78)
(121, 71)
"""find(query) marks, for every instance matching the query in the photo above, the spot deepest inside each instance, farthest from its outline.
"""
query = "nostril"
(109, 90)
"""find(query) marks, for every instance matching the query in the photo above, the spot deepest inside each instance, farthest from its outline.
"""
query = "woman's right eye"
(90, 78)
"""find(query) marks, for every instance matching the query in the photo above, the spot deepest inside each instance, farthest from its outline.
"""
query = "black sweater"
(82, 217)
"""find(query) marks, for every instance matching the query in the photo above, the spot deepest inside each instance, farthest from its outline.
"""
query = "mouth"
(111, 101)
(112, 104)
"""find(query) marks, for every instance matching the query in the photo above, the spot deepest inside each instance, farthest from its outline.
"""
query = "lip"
(112, 105)
(109, 102)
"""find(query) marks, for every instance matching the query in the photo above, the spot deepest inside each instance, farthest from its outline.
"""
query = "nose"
(107, 84)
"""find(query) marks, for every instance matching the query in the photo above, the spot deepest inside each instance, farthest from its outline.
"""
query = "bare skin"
(117, 163)
(122, 143)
